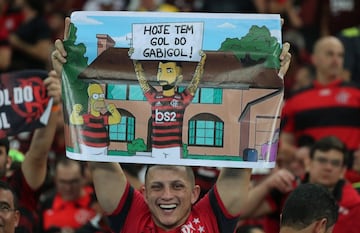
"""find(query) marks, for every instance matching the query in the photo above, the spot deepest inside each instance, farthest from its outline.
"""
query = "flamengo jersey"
(58, 213)
(320, 111)
(208, 215)
(94, 132)
(167, 115)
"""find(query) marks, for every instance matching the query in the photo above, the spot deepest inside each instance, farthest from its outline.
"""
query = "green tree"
(74, 89)
(255, 47)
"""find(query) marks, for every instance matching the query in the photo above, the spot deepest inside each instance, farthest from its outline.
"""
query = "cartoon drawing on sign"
(223, 111)
(270, 148)
(94, 138)
(168, 105)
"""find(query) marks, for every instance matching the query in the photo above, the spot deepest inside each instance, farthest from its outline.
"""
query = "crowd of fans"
(28, 29)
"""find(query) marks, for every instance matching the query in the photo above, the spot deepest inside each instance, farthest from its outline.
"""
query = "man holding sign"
(167, 202)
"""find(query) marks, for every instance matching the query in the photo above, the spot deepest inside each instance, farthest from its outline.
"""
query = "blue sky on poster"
(118, 25)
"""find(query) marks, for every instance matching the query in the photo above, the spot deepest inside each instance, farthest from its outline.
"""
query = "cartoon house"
(235, 108)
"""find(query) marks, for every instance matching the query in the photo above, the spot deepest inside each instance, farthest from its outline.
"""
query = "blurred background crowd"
(39, 23)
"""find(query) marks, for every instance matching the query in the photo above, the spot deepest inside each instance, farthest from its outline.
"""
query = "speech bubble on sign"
(167, 41)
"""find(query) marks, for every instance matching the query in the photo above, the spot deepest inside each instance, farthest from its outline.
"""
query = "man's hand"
(285, 58)
(53, 86)
(281, 180)
(58, 56)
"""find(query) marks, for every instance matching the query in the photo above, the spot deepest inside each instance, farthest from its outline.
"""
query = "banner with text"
(24, 104)
(198, 89)
(169, 41)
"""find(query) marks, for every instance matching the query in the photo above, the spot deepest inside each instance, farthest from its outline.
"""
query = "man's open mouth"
(167, 206)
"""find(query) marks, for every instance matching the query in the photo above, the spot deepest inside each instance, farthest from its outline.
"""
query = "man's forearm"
(233, 185)
(255, 205)
(43, 138)
(35, 163)
(109, 182)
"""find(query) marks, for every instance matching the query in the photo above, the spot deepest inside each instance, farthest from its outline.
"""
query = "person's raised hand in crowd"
(58, 56)
(285, 58)
(34, 166)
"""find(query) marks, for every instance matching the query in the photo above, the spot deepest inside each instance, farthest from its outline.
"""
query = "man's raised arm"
(109, 182)
(233, 187)
(34, 166)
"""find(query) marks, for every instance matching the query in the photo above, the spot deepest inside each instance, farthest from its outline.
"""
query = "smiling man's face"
(170, 193)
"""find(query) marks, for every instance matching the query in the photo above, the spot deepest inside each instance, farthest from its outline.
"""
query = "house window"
(125, 92)
(206, 95)
(206, 130)
(117, 92)
(135, 92)
(125, 130)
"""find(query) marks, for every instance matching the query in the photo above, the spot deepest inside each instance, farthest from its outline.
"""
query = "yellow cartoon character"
(94, 134)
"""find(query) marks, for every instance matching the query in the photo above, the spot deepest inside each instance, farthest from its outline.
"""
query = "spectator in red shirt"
(71, 204)
(329, 107)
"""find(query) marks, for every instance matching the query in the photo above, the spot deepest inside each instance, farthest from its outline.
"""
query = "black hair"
(178, 63)
(6, 186)
(5, 142)
(309, 203)
(330, 143)
(306, 140)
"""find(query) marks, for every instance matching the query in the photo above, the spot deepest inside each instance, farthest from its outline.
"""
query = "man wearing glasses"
(328, 159)
(72, 203)
(9, 213)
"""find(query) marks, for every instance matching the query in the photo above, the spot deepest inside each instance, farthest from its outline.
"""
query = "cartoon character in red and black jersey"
(94, 135)
(168, 105)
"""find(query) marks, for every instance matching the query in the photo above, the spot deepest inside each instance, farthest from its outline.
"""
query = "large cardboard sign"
(173, 88)
(24, 104)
